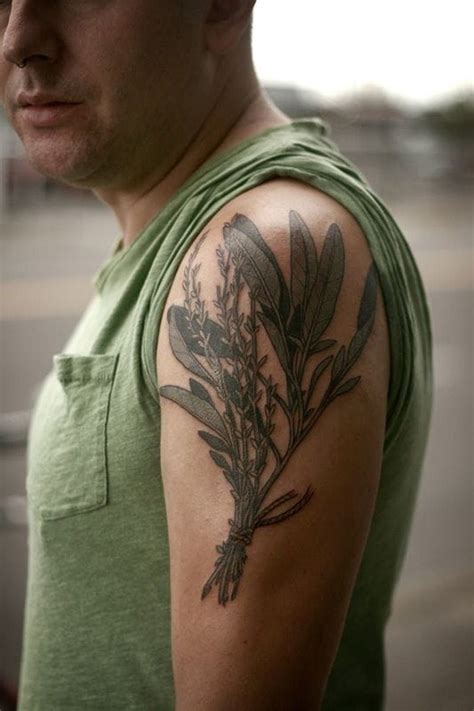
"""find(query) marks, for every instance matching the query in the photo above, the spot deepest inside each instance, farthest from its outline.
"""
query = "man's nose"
(29, 34)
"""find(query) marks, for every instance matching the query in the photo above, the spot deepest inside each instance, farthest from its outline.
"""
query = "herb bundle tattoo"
(225, 354)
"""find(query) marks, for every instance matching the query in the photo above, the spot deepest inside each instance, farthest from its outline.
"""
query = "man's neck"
(222, 130)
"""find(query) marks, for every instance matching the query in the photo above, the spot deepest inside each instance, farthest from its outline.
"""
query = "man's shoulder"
(271, 202)
(290, 229)
(274, 209)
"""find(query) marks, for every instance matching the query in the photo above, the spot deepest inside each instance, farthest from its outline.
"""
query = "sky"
(417, 51)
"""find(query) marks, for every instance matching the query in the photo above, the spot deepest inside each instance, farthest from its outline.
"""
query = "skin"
(163, 86)
(181, 74)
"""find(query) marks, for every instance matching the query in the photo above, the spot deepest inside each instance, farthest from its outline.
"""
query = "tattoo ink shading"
(224, 356)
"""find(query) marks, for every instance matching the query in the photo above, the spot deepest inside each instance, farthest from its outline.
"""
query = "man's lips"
(48, 114)
(40, 99)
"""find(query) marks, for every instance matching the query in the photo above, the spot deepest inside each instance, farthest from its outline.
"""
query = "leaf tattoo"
(224, 353)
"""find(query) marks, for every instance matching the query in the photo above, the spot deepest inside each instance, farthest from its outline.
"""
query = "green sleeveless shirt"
(97, 616)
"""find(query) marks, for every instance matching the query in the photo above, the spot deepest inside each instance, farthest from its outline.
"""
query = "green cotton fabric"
(97, 616)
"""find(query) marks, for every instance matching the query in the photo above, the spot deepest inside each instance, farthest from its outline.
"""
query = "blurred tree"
(453, 119)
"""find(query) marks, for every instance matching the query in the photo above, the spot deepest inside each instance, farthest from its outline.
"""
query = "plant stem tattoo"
(224, 355)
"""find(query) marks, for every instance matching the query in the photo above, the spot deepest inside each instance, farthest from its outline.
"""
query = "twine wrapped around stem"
(241, 535)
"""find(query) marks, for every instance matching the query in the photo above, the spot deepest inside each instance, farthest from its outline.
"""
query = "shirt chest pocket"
(67, 467)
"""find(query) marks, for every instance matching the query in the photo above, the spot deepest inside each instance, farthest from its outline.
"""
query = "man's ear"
(227, 22)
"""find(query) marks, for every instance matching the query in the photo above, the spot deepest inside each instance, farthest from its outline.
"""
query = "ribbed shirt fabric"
(97, 615)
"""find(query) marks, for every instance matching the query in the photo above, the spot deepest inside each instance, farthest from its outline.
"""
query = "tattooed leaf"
(180, 348)
(297, 342)
(366, 316)
(219, 460)
(304, 260)
(346, 387)
(214, 442)
(321, 346)
(276, 338)
(295, 323)
(318, 371)
(217, 341)
(338, 365)
(200, 409)
(295, 331)
(271, 315)
(240, 221)
(229, 475)
(233, 388)
(260, 268)
(260, 424)
(208, 586)
(358, 342)
(298, 262)
(369, 297)
(200, 391)
(325, 291)
(212, 330)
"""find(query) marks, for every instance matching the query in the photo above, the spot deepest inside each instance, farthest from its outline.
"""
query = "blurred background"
(396, 89)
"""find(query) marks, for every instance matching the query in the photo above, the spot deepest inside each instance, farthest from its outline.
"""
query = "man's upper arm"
(273, 365)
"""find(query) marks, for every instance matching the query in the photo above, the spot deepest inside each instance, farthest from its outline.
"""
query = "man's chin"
(64, 168)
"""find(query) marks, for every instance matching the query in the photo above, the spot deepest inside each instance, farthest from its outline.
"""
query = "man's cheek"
(3, 81)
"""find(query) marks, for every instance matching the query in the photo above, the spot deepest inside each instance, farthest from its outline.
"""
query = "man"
(223, 460)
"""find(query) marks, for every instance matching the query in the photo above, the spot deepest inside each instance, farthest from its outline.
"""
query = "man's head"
(144, 75)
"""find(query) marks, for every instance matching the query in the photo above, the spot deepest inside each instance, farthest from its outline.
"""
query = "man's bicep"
(273, 374)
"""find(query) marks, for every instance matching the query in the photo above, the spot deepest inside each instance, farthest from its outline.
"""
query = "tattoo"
(224, 353)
